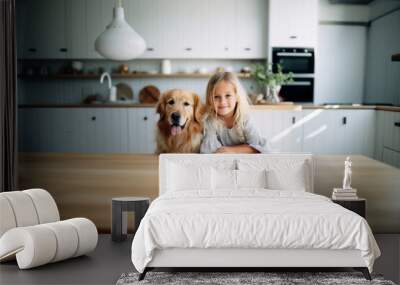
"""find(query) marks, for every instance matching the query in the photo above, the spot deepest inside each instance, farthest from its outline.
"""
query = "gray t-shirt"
(215, 137)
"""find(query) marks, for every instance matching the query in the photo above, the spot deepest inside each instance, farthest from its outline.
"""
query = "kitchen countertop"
(284, 106)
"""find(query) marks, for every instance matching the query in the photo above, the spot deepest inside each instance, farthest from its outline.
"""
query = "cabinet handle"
(397, 124)
(94, 118)
(32, 49)
(344, 120)
(188, 49)
(63, 49)
(247, 49)
(293, 120)
(145, 118)
(293, 37)
(150, 49)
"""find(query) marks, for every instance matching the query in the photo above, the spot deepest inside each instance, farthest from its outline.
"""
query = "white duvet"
(252, 218)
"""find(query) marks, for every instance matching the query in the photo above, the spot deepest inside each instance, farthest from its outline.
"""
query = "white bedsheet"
(251, 218)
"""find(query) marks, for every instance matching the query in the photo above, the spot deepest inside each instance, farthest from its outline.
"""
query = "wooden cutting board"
(149, 94)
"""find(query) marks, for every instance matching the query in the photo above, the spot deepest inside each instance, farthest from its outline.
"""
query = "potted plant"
(271, 82)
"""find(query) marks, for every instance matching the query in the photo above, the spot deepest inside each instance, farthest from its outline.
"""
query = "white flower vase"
(272, 93)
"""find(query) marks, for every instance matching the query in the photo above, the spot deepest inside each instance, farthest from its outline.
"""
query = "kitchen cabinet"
(382, 75)
(292, 23)
(250, 28)
(339, 45)
(99, 14)
(42, 36)
(142, 130)
(391, 130)
(282, 129)
(171, 29)
(76, 38)
(391, 157)
(387, 139)
(339, 131)
(73, 130)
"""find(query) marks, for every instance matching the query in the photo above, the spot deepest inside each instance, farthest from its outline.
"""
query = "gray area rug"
(273, 278)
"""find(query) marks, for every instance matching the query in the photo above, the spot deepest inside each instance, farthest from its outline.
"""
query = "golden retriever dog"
(180, 127)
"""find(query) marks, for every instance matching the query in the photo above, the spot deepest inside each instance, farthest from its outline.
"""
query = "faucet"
(112, 89)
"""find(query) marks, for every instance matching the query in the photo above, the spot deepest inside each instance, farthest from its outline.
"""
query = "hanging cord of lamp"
(119, 41)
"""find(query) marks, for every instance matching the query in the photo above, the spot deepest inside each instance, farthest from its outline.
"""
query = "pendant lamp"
(119, 41)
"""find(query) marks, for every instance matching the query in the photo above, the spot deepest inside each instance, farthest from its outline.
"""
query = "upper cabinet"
(171, 29)
(293, 23)
(41, 29)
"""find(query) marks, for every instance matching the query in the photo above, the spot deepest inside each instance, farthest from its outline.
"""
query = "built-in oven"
(301, 90)
(296, 60)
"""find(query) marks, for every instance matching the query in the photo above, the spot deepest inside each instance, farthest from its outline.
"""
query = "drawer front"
(391, 126)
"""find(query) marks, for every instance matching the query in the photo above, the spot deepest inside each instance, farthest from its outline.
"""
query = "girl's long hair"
(242, 106)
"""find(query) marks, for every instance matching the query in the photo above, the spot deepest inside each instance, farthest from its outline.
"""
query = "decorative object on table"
(120, 207)
(202, 70)
(124, 68)
(166, 67)
(119, 41)
(77, 67)
(220, 69)
(347, 192)
(149, 94)
(44, 71)
(30, 71)
(271, 82)
(246, 70)
(153, 71)
(257, 99)
(90, 99)
(124, 92)
(32, 233)
(229, 69)
(112, 90)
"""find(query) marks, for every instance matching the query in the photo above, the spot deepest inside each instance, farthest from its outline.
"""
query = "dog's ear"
(160, 108)
(198, 109)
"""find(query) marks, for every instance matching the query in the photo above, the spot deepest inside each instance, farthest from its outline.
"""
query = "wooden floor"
(103, 266)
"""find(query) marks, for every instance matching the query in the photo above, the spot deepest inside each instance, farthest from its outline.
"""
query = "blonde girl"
(228, 128)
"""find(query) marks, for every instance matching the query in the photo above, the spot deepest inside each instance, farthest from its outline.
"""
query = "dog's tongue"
(175, 130)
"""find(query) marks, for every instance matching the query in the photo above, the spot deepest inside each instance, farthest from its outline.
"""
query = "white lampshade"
(119, 41)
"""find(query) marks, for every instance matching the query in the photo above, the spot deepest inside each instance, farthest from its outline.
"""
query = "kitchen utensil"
(166, 66)
(149, 94)
(124, 92)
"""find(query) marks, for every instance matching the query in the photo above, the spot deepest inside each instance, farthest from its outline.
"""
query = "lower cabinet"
(283, 129)
(319, 131)
(89, 130)
(387, 139)
(122, 130)
(141, 130)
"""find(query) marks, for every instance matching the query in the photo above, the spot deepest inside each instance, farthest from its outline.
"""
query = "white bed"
(214, 211)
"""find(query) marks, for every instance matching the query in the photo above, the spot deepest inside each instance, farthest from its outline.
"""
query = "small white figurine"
(347, 174)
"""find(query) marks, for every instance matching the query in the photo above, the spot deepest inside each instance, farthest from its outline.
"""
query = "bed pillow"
(282, 174)
(224, 179)
(181, 177)
(251, 178)
(293, 180)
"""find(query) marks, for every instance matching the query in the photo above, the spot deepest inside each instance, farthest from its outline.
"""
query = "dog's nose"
(175, 117)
